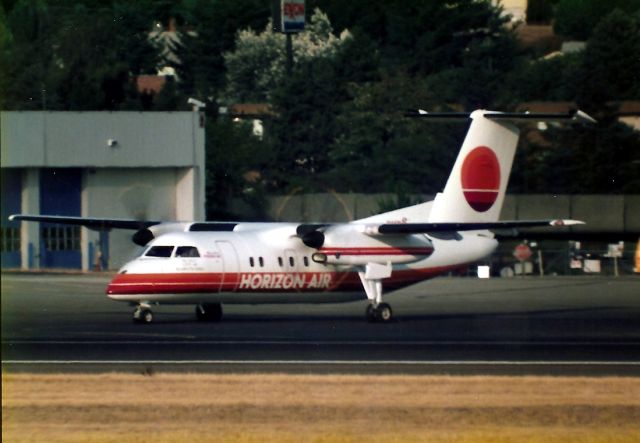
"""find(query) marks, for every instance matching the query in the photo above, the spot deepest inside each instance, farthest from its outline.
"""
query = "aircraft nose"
(117, 284)
(111, 286)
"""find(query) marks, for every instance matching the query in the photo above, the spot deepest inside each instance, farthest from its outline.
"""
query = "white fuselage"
(268, 263)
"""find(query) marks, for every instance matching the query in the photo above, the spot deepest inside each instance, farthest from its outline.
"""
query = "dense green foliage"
(337, 121)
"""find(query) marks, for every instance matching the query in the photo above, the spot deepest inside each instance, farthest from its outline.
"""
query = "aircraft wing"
(417, 228)
(313, 234)
(601, 236)
(88, 222)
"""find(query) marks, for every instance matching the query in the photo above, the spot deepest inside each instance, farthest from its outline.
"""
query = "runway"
(555, 325)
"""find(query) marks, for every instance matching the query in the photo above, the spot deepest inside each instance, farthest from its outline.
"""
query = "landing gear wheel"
(209, 312)
(371, 313)
(142, 315)
(379, 314)
(384, 312)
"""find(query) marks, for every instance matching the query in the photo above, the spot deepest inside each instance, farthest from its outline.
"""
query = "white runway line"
(324, 342)
(326, 362)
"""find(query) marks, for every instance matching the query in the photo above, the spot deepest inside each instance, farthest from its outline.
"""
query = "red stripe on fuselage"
(194, 283)
(412, 251)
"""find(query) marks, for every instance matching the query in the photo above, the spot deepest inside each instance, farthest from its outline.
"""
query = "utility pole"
(289, 54)
(288, 18)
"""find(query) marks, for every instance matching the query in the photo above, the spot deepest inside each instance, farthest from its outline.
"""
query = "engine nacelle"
(359, 249)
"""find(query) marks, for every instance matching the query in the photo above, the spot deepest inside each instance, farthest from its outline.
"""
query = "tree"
(77, 57)
(208, 30)
(378, 149)
(611, 62)
(417, 36)
(231, 152)
(539, 11)
(553, 79)
(305, 105)
(5, 54)
(306, 108)
(95, 71)
(576, 19)
(26, 58)
(582, 160)
(257, 65)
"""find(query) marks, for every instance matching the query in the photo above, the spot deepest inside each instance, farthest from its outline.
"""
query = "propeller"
(311, 235)
(142, 236)
(135, 200)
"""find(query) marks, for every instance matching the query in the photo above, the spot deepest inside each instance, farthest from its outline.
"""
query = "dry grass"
(318, 408)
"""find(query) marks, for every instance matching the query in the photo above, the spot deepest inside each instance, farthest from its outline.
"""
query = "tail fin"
(477, 184)
(476, 188)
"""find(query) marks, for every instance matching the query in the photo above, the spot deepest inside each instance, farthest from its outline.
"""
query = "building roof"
(150, 84)
(250, 110)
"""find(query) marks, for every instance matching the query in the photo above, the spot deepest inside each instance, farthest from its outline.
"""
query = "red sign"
(293, 10)
(522, 252)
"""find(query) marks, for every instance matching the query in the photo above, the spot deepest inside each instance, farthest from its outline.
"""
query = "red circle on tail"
(480, 177)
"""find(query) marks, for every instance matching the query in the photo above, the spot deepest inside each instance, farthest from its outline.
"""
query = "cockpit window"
(159, 251)
(187, 251)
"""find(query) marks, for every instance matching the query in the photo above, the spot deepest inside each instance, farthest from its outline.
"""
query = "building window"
(9, 239)
(61, 238)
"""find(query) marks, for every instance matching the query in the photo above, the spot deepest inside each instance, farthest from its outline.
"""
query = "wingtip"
(583, 117)
(566, 222)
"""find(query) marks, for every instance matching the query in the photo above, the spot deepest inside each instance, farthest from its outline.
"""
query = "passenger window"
(159, 251)
(292, 262)
(251, 262)
(280, 262)
(306, 261)
(187, 251)
(261, 261)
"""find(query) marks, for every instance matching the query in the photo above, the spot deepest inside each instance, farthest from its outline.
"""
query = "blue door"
(60, 190)
(10, 231)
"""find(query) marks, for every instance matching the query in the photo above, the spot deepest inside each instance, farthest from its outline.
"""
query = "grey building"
(146, 165)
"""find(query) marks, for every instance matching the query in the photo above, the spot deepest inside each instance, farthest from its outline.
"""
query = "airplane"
(208, 264)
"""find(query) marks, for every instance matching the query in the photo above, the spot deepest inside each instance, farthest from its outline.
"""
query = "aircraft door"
(230, 266)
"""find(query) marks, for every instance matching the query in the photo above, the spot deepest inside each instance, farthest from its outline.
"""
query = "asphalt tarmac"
(554, 325)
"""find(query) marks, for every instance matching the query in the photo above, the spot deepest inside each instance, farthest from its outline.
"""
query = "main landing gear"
(379, 314)
(143, 314)
(371, 279)
(209, 312)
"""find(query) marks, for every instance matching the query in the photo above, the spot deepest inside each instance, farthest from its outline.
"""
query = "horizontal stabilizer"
(576, 116)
